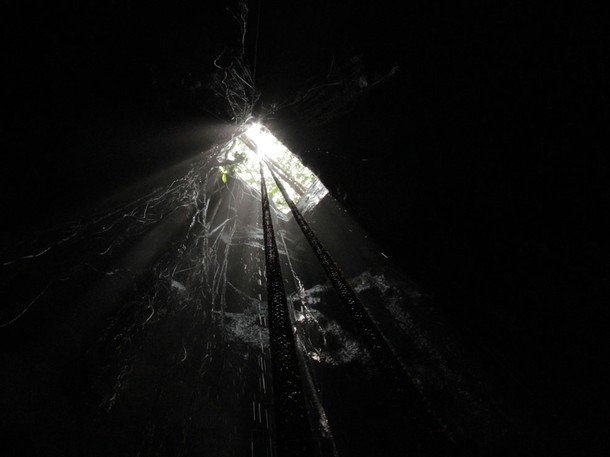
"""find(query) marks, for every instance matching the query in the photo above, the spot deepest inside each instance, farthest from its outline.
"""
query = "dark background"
(478, 167)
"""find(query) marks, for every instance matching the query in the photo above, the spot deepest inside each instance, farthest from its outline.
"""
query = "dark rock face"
(476, 168)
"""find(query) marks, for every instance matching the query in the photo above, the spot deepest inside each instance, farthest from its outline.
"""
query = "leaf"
(224, 178)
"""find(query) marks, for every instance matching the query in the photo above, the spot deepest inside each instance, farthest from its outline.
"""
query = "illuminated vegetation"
(242, 162)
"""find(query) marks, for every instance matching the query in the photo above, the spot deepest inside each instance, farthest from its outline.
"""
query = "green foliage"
(243, 163)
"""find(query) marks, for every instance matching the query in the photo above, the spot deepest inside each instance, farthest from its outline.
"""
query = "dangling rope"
(401, 387)
(293, 432)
